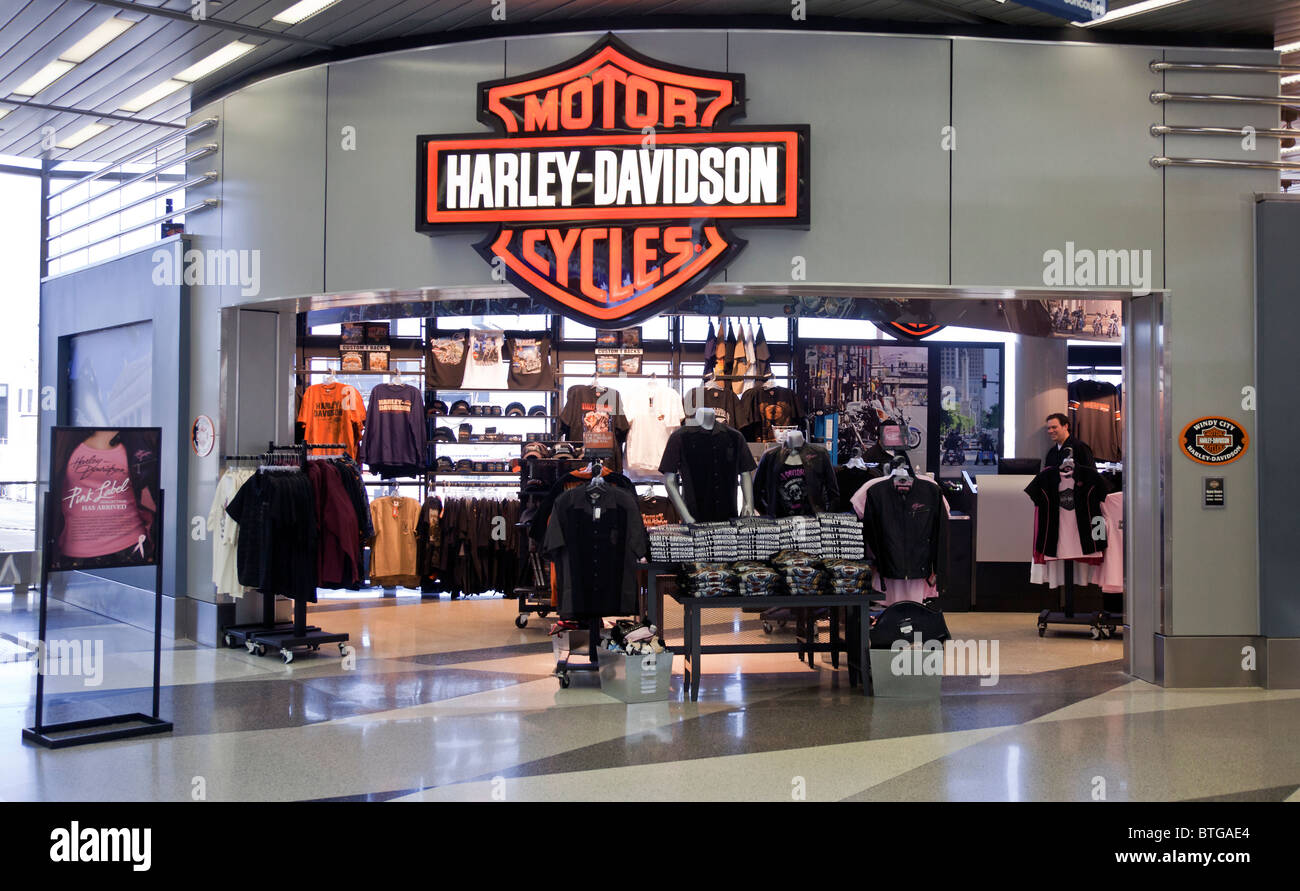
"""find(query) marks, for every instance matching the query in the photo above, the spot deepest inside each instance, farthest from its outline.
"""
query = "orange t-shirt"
(333, 413)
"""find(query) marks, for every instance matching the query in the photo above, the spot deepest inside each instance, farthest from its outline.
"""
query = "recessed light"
(43, 78)
(96, 40)
(89, 131)
(1125, 12)
(224, 56)
(149, 97)
(302, 10)
(1287, 47)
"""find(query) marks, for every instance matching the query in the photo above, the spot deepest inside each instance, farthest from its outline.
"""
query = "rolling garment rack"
(565, 665)
(283, 637)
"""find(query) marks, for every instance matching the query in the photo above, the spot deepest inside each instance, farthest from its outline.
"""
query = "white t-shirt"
(225, 533)
(1068, 544)
(654, 415)
(486, 368)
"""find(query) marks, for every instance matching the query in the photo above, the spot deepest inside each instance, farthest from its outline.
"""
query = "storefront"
(992, 185)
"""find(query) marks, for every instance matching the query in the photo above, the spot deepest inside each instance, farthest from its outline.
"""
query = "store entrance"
(968, 401)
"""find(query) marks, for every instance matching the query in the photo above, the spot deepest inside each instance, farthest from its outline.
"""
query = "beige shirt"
(393, 552)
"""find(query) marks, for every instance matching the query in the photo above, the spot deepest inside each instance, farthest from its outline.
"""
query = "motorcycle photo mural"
(884, 391)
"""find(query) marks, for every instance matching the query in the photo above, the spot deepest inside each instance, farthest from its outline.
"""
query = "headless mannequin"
(706, 418)
(795, 442)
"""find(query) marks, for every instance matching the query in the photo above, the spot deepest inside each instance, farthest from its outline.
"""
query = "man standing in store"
(1058, 428)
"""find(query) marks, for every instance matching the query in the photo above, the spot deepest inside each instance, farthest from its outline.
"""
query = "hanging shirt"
(595, 537)
(530, 363)
(764, 408)
(447, 355)
(333, 413)
(739, 360)
(486, 368)
(725, 405)
(100, 513)
(657, 510)
(394, 558)
(225, 533)
(708, 463)
(591, 410)
(395, 431)
(1068, 545)
(652, 419)
(1095, 418)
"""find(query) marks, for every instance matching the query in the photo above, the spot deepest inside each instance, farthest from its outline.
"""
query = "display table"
(855, 645)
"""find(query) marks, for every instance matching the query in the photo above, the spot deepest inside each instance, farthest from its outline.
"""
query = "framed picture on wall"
(106, 487)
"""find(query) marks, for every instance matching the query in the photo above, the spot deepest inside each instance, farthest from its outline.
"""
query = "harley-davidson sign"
(1214, 440)
(611, 181)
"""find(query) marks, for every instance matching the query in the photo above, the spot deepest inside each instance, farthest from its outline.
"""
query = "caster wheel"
(251, 647)
(1110, 631)
(1097, 633)
(343, 649)
(230, 641)
(1042, 630)
(564, 681)
(261, 649)
(287, 656)
(767, 627)
(521, 621)
(544, 613)
(315, 648)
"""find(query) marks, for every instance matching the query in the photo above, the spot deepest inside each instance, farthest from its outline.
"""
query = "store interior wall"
(1040, 364)
(1052, 147)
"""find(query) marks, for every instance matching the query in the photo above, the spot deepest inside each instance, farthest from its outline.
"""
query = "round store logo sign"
(1214, 441)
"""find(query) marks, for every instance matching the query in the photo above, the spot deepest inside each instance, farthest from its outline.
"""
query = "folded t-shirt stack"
(758, 580)
(841, 536)
(671, 543)
(848, 576)
(757, 538)
(801, 572)
(715, 541)
(708, 580)
(800, 533)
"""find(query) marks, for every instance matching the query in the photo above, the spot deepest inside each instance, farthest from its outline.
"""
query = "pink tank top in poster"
(100, 514)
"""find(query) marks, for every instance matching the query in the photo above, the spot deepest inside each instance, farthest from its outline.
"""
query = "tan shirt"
(393, 552)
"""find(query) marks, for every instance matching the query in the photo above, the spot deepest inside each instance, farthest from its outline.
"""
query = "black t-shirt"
(725, 405)
(656, 510)
(708, 463)
(763, 408)
(447, 355)
(530, 362)
(590, 410)
(790, 490)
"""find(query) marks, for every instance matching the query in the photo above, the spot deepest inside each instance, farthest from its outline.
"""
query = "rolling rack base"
(1103, 624)
(532, 601)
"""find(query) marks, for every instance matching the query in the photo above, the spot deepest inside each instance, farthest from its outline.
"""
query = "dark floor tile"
(1273, 793)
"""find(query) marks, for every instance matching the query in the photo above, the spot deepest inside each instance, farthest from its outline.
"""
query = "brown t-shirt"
(394, 553)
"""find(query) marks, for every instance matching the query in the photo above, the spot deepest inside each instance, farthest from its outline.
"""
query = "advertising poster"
(105, 485)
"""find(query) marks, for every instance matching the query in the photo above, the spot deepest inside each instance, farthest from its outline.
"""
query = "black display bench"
(855, 643)
(41, 733)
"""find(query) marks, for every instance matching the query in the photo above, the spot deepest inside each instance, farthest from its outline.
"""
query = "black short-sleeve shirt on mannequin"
(530, 362)
(448, 351)
(725, 405)
(708, 462)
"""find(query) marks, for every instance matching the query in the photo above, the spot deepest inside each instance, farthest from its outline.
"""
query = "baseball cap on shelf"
(564, 450)
(515, 410)
(445, 465)
(460, 407)
(439, 408)
(444, 434)
(465, 465)
(536, 450)
(537, 411)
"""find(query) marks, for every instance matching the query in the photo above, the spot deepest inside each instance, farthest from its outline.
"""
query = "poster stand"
(43, 734)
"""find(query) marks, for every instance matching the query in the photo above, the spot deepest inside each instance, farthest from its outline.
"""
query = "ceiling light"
(304, 9)
(1287, 47)
(224, 56)
(96, 40)
(43, 78)
(149, 97)
(1291, 79)
(88, 132)
(1136, 9)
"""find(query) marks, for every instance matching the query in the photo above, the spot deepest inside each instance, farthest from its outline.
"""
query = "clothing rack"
(284, 637)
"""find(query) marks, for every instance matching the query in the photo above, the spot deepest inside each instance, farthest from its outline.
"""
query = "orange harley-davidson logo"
(611, 182)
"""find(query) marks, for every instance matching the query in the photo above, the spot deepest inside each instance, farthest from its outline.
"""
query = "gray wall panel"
(371, 237)
(1040, 375)
(1277, 326)
(274, 168)
(879, 174)
(1053, 146)
(1209, 219)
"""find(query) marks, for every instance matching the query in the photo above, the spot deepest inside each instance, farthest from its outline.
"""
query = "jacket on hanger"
(1087, 495)
(907, 531)
(595, 536)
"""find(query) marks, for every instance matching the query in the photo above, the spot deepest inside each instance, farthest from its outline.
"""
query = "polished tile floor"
(449, 701)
